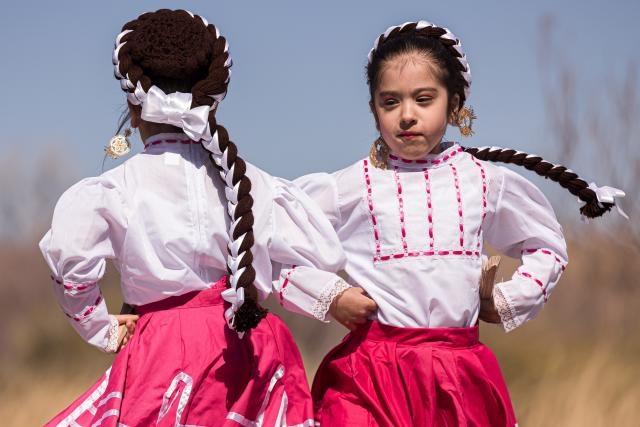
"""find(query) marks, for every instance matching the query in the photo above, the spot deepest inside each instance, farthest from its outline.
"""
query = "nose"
(407, 116)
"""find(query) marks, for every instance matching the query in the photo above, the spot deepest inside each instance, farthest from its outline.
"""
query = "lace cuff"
(505, 310)
(328, 294)
(112, 335)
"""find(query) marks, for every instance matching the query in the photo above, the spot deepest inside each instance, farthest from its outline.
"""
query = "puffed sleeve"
(521, 223)
(87, 220)
(306, 253)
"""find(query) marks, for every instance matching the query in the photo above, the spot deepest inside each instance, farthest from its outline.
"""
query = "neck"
(149, 129)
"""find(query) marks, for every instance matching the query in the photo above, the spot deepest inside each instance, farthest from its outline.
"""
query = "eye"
(389, 102)
(424, 99)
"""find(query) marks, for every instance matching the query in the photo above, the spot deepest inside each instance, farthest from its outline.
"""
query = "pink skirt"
(184, 366)
(381, 375)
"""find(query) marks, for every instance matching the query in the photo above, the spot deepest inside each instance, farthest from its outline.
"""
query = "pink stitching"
(428, 161)
(380, 258)
(285, 283)
(538, 282)
(457, 184)
(88, 311)
(171, 141)
(403, 229)
(72, 288)
(563, 266)
(370, 199)
(429, 208)
(484, 194)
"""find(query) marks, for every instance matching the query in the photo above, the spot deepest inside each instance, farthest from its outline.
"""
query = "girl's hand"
(127, 326)
(352, 307)
(488, 312)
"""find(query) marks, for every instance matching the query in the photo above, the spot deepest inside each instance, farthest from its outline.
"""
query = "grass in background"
(575, 365)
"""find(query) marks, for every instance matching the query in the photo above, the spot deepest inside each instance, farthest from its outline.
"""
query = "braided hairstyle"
(444, 51)
(177, 51)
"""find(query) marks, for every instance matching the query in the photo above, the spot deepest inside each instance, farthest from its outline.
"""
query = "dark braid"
(177, 52)
(557, 173)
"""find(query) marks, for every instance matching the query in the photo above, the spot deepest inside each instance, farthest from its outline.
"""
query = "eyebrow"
(414, 93)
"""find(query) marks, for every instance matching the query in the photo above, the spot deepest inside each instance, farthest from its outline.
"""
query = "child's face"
(410, 106)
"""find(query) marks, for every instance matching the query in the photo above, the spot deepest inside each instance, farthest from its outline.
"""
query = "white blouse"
(413, 236)
(161, 218)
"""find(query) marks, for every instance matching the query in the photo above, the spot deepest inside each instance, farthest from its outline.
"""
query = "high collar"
(450, 151)
(167, 139)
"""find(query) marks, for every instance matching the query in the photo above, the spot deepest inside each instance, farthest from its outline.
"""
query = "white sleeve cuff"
(505, 310)
(112, 335)
(328, 294)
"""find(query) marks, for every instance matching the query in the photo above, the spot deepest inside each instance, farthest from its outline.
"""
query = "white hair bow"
(175, 109)
(608, 194)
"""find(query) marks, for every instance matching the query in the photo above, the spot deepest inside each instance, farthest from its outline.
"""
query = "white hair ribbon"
(608, 194)
(175, 109)
(235, 297)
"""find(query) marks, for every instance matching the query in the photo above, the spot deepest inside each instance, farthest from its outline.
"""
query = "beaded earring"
(119, 145)
(379, 153)
(463, 118)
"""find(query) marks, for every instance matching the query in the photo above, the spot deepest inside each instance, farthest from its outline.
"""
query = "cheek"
(386, 122)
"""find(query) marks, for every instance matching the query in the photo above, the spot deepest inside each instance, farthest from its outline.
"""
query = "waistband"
(446, 337)
(194, 299)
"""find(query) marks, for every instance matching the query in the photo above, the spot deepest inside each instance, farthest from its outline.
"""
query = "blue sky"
(297, 102)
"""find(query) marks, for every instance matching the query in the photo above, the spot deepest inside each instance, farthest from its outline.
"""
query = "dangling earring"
(463, 118)
(119, 145)
(379, 153)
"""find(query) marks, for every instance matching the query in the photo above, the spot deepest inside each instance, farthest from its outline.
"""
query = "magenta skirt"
(184, 366)
(381, 375)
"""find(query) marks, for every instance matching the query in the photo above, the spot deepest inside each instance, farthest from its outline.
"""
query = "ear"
(136, 114)
(375, 115)
(453, 108)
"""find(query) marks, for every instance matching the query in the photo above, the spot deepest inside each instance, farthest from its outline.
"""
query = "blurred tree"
(595, 125)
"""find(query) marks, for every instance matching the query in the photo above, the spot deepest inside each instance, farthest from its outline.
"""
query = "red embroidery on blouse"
(547, 252)
(78, 317)
(425, 253)
(73, 288)
(484, 196)
(285, 283)
(538, 282)
(429, 207)
(171, 141)
(427, 161)
(403, 229)
(457, 185)
(370, 200)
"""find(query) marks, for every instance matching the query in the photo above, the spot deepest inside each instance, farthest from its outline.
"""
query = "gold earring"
(379, 153)
(119, 145)
(464, 118)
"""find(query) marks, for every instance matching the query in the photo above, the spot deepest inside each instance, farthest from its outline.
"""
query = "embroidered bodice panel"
(413, 235)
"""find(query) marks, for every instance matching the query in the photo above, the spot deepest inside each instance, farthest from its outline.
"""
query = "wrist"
(328, 296)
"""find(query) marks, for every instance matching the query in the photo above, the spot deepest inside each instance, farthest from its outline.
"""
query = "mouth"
(408, 135)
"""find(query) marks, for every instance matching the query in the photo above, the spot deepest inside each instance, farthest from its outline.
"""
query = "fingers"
(371, 306)
(124, 318)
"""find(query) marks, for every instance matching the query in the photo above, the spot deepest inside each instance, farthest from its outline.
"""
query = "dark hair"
(440, 51)
(176, 51)
(426, 42)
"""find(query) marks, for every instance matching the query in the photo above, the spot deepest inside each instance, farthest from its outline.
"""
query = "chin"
(415, 153)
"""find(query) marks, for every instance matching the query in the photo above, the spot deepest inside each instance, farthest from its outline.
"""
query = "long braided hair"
(177, 51)
(445, 52)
